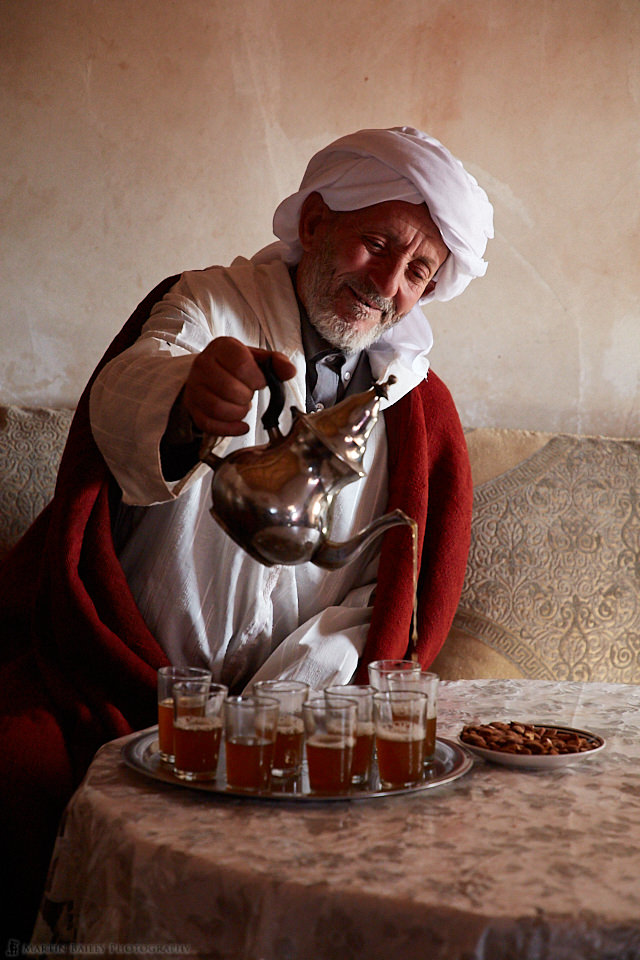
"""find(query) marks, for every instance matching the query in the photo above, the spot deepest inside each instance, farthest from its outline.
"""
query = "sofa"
(31, 443)
(552, 588)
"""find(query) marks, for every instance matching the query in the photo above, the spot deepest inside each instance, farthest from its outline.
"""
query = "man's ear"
(313, 212)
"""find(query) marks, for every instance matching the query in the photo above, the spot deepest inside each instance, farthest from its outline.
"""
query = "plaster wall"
(142, 137)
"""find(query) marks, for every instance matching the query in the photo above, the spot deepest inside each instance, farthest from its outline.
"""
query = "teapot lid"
(346, 427)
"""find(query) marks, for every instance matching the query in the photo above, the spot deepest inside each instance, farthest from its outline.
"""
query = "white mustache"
(373, 298)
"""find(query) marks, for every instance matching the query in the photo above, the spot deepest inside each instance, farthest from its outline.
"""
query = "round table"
(499, 864)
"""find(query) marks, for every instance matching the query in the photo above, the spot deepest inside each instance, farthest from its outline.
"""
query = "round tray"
(141, 753)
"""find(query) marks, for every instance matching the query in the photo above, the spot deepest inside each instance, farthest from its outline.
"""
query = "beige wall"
(141, 137)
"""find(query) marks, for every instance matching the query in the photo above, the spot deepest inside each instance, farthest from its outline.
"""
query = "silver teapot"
(275, 500)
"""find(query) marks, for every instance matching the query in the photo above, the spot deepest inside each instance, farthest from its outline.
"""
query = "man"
(126, 571)
(338, 303)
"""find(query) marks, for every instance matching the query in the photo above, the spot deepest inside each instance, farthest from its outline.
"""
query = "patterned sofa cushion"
(552, 588)
(31, 444)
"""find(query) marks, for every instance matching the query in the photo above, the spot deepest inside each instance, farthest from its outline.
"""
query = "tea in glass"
(330, 730)
(428, 683)
(251, 725)
(363, 749)
(288, 749)
(167, 676)
(400, 722)
(197, 728)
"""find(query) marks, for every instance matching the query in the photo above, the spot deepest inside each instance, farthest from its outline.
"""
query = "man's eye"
(375, 245)
(418, 276)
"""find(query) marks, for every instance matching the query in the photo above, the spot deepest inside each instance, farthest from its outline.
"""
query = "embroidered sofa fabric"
(552, 589)
(31, 444)
(553, 579)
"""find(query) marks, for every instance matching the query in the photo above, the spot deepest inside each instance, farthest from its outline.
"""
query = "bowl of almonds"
(514, 743)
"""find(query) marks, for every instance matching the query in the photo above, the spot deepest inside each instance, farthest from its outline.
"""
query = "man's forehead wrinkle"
(405, 234)
(391, 216)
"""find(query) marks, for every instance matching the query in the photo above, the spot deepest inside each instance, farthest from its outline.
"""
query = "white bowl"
(538, 761)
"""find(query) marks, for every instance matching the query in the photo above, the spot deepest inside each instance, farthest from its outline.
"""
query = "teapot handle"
(276, 403)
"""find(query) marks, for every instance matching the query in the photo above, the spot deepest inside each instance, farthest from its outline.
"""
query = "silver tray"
(141, 753)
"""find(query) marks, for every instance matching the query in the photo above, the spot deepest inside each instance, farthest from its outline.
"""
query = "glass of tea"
(379, 671)
(330, 729)
(197, 728)
(251, 724)
(428, 683)
(400, 718)
(167, 676)
(362, 694)
(290, 694)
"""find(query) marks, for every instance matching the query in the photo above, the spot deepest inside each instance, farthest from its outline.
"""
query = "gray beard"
(343, 333)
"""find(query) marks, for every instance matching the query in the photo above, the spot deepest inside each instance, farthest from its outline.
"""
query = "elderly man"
(383, 221)
(126, 570)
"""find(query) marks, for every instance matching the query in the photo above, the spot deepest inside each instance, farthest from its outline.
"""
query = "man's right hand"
(224, 377)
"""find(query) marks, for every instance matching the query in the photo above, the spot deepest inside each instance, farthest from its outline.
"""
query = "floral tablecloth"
(501, 864)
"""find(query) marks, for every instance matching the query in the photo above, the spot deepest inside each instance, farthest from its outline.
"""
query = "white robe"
(203, 597)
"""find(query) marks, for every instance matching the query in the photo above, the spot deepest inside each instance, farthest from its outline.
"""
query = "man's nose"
(387, 276)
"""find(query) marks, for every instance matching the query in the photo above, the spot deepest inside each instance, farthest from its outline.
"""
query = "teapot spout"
(331, 555)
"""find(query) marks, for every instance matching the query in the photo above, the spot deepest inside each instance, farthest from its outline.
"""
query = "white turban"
(372, 166)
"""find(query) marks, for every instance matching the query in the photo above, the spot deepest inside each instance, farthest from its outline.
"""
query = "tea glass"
(251, 724)
(290, 694)
(428, 683)
(197, 728)
(400, 718)
(379, 671)
(330, 729)
(362, 694)
(167, 676)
